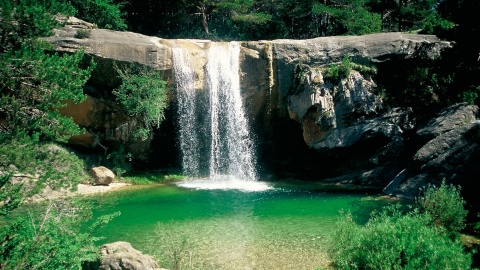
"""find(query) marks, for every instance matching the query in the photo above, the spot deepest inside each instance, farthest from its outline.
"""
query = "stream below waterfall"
(285, 227)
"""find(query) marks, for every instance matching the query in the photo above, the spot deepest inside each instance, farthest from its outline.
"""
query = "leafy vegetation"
(143, 94)
(34, 84)
(266, 19)
(50, 239)
(445, 206)
(152, 177)
(82, 33)
(104, 13)
(336, 72)
(421, 238)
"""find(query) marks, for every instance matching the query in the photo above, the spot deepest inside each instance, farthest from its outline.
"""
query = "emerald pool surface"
(286, 227)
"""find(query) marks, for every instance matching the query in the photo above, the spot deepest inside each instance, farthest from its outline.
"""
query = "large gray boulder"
(451, 153)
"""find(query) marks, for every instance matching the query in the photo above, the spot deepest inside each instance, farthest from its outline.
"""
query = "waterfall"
(187, 118)
(214, 136)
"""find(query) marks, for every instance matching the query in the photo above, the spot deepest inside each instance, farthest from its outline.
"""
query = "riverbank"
(82, 189)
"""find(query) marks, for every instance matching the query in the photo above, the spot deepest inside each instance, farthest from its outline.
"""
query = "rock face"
(304, 124)
(105, 125)
(450, 150)
(102, 175)
(122, 256)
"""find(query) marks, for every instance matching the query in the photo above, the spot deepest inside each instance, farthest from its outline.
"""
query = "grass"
(152, 177)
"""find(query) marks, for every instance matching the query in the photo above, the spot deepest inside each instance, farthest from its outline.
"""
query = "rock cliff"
(305, 125)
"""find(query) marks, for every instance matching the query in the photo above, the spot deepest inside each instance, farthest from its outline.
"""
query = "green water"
(284, 228)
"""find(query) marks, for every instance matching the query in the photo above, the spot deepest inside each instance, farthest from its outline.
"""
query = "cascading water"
(214, 136)
(231, 146)
(186, 97)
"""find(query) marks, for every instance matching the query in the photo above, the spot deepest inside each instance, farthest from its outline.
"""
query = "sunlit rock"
(102, 175)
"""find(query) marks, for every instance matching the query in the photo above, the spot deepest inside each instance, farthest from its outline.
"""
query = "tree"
(403, 15)
(346, 18)
(143, 95)
(104, 13)
(34, 84)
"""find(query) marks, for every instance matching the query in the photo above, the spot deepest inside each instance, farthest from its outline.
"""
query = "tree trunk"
(202, 9)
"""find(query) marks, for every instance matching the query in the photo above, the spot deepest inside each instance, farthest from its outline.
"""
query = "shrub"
(336, 72)
(394, 240)
(143, 94)
(50, 239)
(119, 160)
(82, 33)
(445, 206)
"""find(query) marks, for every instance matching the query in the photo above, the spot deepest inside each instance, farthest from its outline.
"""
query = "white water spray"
(231, 149)
(186, 95)
(214, 136)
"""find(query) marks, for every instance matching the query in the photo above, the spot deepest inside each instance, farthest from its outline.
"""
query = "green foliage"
(445, 206)
(395, 240)
(22, 21)
(470, 96)
(173, 177)
(143, 94)
(33, 85)
(336, 72)
(152, 177)
(119, 160)
(50, 239)
(435, 24)
(104, 13)
(40, 164)
(11, 196)
(83, 33)
(349, 18)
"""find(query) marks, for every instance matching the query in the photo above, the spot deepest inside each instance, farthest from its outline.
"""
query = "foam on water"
(225, 182)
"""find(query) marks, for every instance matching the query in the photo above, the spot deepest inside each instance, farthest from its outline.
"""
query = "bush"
(82, 33)
(445, 206)
(119, 160)
(394, 240)
(143, 94)
(336, 72)
(50, 239)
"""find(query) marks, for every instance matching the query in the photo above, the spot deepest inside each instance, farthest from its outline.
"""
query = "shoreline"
(82, 189)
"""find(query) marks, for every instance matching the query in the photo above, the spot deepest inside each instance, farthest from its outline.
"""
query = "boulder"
(102, 175)
(122, 256)
(451, 153)
(455, 116)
